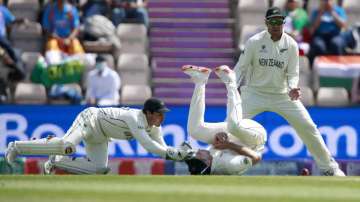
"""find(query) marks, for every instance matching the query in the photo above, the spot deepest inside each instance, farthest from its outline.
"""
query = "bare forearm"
(242, 150)
(339, 22)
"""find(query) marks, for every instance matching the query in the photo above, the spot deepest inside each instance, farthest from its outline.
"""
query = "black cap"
(198, 167)
(155, 105)
(274, 12)
(100, 58)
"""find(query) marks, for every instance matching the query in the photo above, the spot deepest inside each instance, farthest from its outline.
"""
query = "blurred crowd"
(326, 28)
(66, 65)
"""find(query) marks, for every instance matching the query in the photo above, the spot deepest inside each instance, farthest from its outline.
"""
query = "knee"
(336, 45)
(249, 131)
(52, 44)
(76, 46)
(318, 45)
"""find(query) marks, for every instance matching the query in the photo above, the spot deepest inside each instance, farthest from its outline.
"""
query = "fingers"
(220, 138)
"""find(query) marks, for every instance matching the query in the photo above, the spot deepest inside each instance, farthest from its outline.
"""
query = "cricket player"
(236, 144)
(270, 69)
(95, 126)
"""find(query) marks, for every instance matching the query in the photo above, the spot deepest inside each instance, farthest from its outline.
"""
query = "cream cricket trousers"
(234, 124)
(96, 144)
(84, 128)
(255, 102)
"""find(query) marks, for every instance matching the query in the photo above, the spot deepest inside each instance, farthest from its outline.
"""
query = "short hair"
(198, 166)
(100, 58)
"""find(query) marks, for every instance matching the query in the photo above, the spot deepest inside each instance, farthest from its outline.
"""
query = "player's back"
(116, 122)
(227, 162)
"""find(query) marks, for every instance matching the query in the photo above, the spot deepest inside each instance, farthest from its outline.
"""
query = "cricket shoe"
(225, 74)
(49, 165)
(334, 172)
(11, 153)
(197, 74)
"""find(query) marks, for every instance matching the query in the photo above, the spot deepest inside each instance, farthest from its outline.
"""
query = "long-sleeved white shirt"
(103, 87)
(269, 66)
(127, 123)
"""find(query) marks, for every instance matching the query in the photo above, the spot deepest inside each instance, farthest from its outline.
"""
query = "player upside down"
(236, 144)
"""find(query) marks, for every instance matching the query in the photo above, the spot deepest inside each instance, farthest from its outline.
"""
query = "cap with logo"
(155, 105)
(274, 12)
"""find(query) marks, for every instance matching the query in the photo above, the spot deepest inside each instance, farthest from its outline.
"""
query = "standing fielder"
(270, 67)
(237, 143)
(95, 126)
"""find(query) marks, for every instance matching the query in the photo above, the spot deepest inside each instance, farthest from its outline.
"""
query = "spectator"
(96, 7)
(61, 24)
(129, 9)
(296, 19)
(14, 61)
(103, 84)
(327, 23)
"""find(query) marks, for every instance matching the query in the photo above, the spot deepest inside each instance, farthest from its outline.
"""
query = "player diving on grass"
(96, 126)
(236, 144)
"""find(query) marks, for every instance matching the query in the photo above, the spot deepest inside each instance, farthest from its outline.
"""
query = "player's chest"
(272, 56)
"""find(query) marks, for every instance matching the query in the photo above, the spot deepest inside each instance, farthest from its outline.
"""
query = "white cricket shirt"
(268, 66)
(127, 123)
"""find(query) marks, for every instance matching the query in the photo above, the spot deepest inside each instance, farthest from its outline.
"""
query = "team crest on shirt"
(263, 49)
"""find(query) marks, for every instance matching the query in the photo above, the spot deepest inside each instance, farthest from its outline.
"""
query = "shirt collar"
(269, 36)
(105, 71)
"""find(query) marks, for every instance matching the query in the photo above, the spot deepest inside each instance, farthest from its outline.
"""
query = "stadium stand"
(332, 97)
(135, 94)
(133, 38)
(30, 93)
(189, 32)
(305, 72)
(247, 31)
(352, 8)
(134, 69)
(28, 9)
(29, 59)
(311, 5)
(307, 96)
(69, 94)
(27, 37)
(251, 12)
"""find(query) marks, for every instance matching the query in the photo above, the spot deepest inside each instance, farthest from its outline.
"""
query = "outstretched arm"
(222, 142)
(158, 145)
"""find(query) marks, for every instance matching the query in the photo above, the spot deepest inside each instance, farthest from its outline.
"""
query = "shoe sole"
(222, 68)
(195, 68)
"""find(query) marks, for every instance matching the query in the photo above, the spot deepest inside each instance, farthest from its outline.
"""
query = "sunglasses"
(275, 22)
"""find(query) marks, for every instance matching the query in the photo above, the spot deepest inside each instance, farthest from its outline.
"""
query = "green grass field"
(177, 188)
